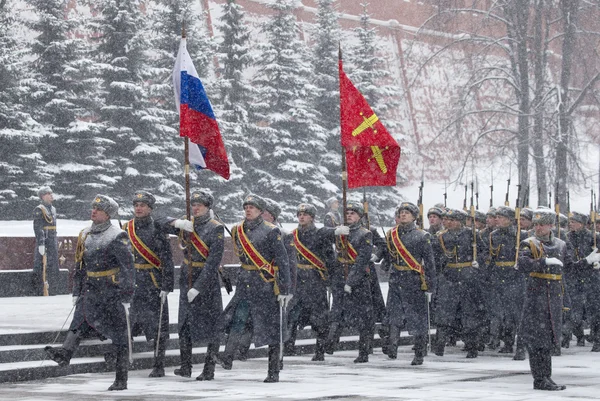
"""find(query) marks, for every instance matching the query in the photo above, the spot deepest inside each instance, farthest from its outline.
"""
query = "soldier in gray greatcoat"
(309, 306)
(434, 216)
(350, 282)
(44, 228)
(409, 250)
(333, 217)
(200, 300)
(583, 283)
(103, 288)
(154, 275)
(459, 301)
(542, 258)
(262, 290)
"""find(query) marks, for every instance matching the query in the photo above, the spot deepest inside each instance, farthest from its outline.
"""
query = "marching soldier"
(153, 278)
(103, 287)
(459, 298)
(434, 215)
(526, 216)
(261, 294)
(410, 257)
(333, 217)
(542, 258)
(583, 282)
(506, 284)
(486, 286)
(270, 215)
(309, 305)
(200, 301)
(352, 296)
(45, 259)
(480, 220)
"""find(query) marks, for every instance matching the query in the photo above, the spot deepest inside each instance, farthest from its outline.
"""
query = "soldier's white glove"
(163, 296)
(475, 264)
(75, 299)
(42, 250)
(342, 230)
(183, 224)
(126, 305)
(597, 265)
(374, 258)
(284, 300)
(593, 257)
(348, 289)
(553, 261)
(193, 293)
(211, 213)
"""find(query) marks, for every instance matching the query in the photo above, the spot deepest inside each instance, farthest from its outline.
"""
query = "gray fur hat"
(331, 200)
(356, 207)
(255, 201)
(144, 197)
(527, 213)
(308, 209)
(44, 190)
(456, 214)
(273, 208)
(505, 211)
(203, 197)
(544, 216)
(107, 204)
(578, 217)
(434, 210)
(479, 216)
(410, 207)
(491, 212)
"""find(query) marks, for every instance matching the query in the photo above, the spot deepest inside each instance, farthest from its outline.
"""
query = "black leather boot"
(185, 353)
(420, 348)
(520, 354)
(62, 355)
(210, 360)
(158, 369)
(333, 338)
(320, 347)
(364, 341)
(440, 342)
(289, 348)
(232, 345)
(273, 369)
(121, 366)
(392, 347)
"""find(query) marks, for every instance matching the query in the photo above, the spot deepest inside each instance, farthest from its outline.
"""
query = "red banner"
(372, 154)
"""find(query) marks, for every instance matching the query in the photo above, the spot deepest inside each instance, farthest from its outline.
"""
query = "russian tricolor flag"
(196, 118)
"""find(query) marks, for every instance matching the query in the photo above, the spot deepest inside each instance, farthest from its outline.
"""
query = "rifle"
(445, 193)
(476, 194)
(226, 281)
(557, 210)
(473, 228)
(568, 203)
(593, 214)
(366, 207)
(549, 198)
(518, 219)
(492, 191)
(465, 200)
(420, 203)
(506, 201)
(525, 202)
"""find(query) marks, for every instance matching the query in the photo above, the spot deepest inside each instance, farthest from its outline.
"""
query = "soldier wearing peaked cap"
(459, 298)
(153, 278)
(333, 218)
(409, 256)
(542, 257)
(506, 284)
(262, 290)
(44, 228)
(583, 283)
(103, 287)
(200, 301)
(309, 306)
(351, 286)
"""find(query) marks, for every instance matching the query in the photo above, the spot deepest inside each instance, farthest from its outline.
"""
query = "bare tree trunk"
(569, 9)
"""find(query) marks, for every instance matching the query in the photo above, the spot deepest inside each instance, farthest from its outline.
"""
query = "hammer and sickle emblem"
(377, 151)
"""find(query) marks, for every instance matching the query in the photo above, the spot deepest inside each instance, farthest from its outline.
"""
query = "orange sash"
(140, 247)
(407, 257)
(308, 255)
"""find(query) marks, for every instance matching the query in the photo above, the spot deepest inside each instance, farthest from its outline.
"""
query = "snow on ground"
(492, 376)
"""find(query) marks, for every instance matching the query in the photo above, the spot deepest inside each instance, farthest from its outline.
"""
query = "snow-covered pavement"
(492, 376)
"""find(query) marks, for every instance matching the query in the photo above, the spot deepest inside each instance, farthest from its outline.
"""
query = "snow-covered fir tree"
(291, 141)
(131, 155)
(366, 69)
(232, 108)
(327, 35)
(19, 133)
(167, 19)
